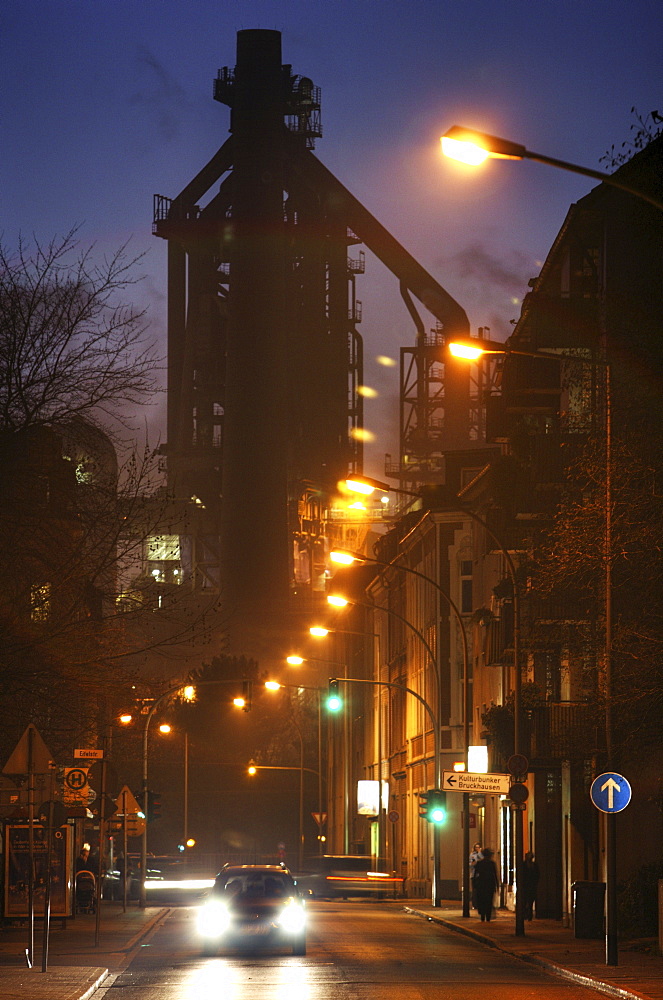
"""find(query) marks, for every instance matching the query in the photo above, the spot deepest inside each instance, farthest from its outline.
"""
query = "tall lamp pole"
(340, 602)
(345, 558)
(472, 350)
(364, 483)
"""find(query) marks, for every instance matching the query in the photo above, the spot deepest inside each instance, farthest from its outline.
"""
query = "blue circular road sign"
(610, 792)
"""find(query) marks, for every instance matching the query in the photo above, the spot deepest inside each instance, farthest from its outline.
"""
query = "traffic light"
(334, 700)
(243, 700)
(437, 806)
(433, 806)
(153, 806)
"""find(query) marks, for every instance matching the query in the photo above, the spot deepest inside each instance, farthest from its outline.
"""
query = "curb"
(558, 970)
(95, 986)
(146, 929)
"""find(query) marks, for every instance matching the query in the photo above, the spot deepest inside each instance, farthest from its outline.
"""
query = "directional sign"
(466, 781)
(610, 792)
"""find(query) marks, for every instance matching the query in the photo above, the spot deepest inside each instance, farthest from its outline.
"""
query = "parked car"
(256, 906)
(342, 876)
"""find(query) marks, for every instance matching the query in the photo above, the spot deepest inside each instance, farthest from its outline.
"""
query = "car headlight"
(213, 919)
(292, 918)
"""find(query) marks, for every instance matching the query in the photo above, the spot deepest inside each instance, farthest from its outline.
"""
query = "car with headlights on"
(254, 906)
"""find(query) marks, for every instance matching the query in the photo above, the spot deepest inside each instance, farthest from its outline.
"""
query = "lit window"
(40, 602)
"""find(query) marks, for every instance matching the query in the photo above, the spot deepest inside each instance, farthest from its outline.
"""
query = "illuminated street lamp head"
(337, 601)
(273, 685)
(319, 631)
(189, 693)
(366, 485)
(165, 728)
(252, 769)
(342, 558)
(294, 660)
(473, 147)
(239, 702)
(126, 718)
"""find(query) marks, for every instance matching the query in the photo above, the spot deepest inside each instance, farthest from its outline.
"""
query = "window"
(40, 602)
(466, 586)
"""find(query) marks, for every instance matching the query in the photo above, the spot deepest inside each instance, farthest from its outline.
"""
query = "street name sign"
(610, 792)
(466, 781)
(88, 754)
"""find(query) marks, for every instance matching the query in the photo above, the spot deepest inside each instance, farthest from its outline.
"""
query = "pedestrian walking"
(486, 883)
(475, 855)
(530, 883)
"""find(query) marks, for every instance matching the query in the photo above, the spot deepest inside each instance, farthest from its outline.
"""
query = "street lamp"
(344, 557)
(187, 692)
(277, 686)
(375, 484)
(338, 601)
(253, 768)
(472, 351)
(473, 148)
(322, 632)
(166, 728)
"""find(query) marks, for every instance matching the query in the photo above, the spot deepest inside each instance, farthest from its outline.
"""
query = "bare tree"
(68, 347)
(573, 563)
(75, 630)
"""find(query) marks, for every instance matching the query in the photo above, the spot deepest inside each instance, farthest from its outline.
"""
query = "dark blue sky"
(106, 102)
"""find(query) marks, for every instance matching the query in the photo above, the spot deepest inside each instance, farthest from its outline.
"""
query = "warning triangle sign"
(29, 751)
(126, 801)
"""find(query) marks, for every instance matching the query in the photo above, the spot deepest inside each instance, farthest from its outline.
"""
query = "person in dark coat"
(530, 883)
(486, 883)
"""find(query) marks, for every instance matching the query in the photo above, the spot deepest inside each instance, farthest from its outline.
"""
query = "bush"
(638, 902)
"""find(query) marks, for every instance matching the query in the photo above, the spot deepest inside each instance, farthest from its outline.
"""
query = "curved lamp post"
(472, 350)
(340, 602)
(277, 686)
(188, 691)
(472, 147)
(365, 485)
(346, 558)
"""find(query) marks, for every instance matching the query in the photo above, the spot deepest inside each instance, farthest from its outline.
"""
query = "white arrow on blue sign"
(610, 792)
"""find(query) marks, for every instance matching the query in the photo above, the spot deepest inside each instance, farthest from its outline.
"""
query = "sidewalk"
(76, 966)
(638, 975)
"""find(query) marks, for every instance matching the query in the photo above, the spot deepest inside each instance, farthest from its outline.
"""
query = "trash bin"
(588, 905)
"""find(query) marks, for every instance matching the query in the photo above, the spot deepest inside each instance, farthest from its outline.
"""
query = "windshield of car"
(255, 885)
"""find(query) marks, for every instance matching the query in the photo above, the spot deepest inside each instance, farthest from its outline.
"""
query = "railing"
(566, 730)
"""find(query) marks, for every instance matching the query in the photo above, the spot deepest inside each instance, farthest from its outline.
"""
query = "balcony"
(566, 731)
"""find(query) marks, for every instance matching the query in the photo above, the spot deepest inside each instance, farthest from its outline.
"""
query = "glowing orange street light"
(294, 660)
(473, 148)
(337, 601)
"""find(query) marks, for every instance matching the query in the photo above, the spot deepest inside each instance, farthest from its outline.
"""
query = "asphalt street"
(356, 951)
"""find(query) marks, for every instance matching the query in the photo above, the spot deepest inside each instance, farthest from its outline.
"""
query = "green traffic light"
(437, 806)
(334, 700)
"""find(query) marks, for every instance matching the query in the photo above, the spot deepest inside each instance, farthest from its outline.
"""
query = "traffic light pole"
(435, 888)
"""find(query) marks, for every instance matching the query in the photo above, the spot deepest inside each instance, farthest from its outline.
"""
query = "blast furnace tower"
(264, 356)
